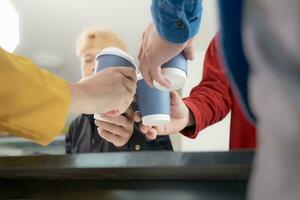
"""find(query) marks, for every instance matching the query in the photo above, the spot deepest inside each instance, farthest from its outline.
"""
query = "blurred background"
(46, 31)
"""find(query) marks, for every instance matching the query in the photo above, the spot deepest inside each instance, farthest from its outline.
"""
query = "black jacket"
(83, 137)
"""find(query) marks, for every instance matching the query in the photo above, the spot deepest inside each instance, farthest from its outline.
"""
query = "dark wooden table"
(127, 176)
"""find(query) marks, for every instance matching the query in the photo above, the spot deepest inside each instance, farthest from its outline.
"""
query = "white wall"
(52, 27)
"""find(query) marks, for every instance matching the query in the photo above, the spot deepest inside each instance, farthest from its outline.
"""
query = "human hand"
(155, 51)
(116, 129)
(181, 117)
(110, 90)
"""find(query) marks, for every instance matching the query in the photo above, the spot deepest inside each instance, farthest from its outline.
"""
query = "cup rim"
(117, 52)
(152, 119)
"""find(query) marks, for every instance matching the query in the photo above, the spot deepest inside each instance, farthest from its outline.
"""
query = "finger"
(189, 52)
(110, 137)
(117, 120)
(151, 134)
(140, 53)
(128, 72)
(97, 122)
(115, 129)
(146, 75)
(129, 113)
(142, 46)
(175, 99)
(130, 85)
(137, 117)
(144, 129)
(145, 69)
(105, 135)
(142, 50)
(113, 113)
(159, 78)
(161, 130)
(168, 129)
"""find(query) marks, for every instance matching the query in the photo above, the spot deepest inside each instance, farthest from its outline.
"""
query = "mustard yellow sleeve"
(33, 102)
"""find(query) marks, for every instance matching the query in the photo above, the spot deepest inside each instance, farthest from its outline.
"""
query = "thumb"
(189, 51)
(175, 99)
(129, 112)
(137, 117)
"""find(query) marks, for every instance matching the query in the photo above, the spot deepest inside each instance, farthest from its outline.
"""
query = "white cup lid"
(117, 52)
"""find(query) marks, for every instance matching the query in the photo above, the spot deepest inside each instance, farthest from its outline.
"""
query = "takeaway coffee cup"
(112, 57)
(175, 71)
(153, 104)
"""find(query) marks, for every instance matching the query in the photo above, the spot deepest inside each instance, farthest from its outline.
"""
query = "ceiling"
(51, 27)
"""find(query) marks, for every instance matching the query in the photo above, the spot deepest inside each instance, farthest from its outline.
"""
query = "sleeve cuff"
(193, 131)
(168, 24)
(172, 21)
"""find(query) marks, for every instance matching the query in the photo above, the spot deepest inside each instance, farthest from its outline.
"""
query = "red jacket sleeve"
(210, 101)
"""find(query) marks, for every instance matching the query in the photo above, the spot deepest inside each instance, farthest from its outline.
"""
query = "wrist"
(191, 119)
(78, 97)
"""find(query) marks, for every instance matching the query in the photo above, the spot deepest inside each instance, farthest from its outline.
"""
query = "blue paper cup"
(153, 104)
(112, 57)
(175, 71)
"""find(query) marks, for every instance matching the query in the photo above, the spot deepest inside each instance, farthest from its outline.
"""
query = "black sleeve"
(164, 142)
(69, 137)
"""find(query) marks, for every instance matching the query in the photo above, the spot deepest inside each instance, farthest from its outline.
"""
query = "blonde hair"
(98, 37)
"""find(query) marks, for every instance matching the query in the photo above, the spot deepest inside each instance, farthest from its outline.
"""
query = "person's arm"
(210, 101)
(175, 24)
(33, 103)
(177, 21)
